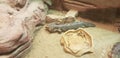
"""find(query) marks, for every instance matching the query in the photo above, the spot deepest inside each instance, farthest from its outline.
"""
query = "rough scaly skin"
(52, 27)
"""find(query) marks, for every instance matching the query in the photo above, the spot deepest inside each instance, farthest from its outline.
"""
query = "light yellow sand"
(46, 45)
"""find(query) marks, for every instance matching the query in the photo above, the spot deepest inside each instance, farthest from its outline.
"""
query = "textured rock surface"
(17, 27)
(115, 51)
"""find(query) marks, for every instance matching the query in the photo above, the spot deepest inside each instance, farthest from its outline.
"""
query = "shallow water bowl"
(76, 42)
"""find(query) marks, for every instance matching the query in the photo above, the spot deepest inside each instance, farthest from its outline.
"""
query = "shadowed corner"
(103, 15)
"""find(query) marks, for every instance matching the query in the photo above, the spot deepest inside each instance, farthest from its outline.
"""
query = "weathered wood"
(66, 18)
(53, 18)
(72, 13)
(71, 4)
(95, 3)
(57, 4)
(97, 11)
(102, 3)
